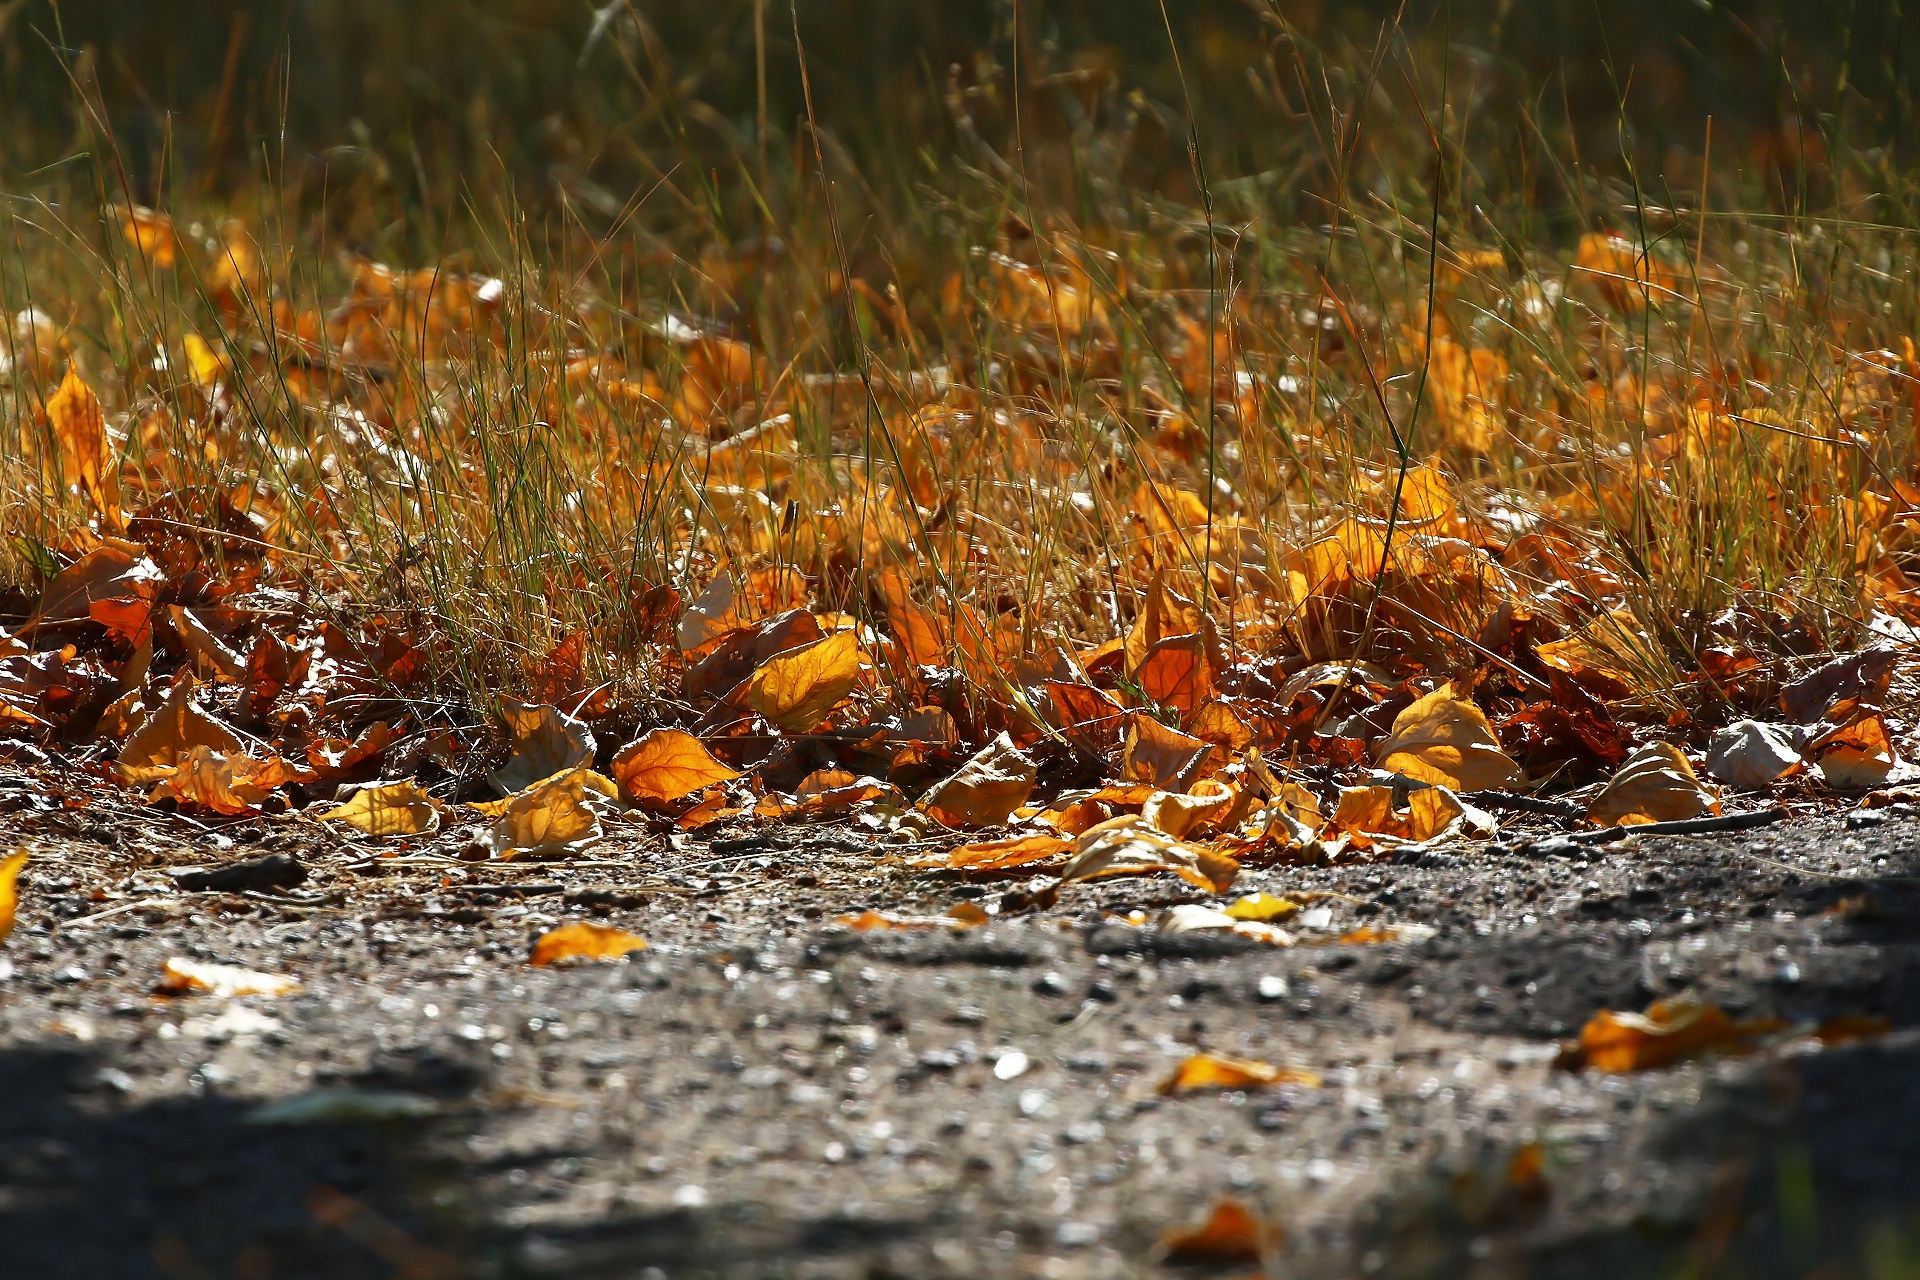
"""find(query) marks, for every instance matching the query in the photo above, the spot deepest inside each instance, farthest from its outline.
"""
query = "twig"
(1523, 804)
(1684, 827)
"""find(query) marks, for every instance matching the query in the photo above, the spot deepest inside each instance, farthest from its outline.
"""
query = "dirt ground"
(765, 1093)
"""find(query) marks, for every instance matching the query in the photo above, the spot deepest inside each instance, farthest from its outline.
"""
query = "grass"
(1432, 387)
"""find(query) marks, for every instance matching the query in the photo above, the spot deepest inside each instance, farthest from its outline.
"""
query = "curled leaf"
(10, 889)
(545, 742)
(181, 975)
(666, 766)
(1194, 917)
(1654, 784)
(1230, 1234)
(1130, 846)
(1212, 1071)
(1750, 755)
(580, 940)
(391, 809)
(988, 856)
(985, 790)
(1667, 1032)
(1161, 757)
(165, 740)
(552, 817)
(1446, 740)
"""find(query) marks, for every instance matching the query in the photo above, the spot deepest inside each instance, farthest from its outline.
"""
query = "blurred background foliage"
(560, 103)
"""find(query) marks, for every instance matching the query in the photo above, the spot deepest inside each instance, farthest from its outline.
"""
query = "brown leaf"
(225, 980)
(392, 809)
(211, 656)
(1860, 675)
(1212, 1071)
(168, 736)
(1751, 755)
(1613, 646)
(545, 742)
(113, 571)
(1230, 1234)
(1655, 784)
(1180, 814)
(580, 940)
(10, 889)
(1130, 846)
(985, 790)
(1161, 757)
(73, 412)
(1446, 740)
(666, 766)
(797, 690)
(1162, 614)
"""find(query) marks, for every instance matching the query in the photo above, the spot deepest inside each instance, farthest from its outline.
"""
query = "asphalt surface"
(765, 1093)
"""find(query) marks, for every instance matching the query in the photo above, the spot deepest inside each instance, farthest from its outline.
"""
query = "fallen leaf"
(115, 570)
(1857, 675)
(1230, 1234)
(217, 783)
(1859, 756)
(1130, 846)
(546, 741)
(210, 654)
(666, 766)
(965, 915)
(985, 790)
(1667, 1032)
(73, 412)
(180, 976)
(1194, 917)
(10, 889)
(1751, 755)
(1262, 908)
(710, 616)
(391, 809)
(1370, 815)
(581, 940)
(168, 736)
(1447, 740)
(149, 233)
(1161, 757)
(798, 689)
(1180, 815)
(344, 1106)
(1212, 1071)
(551, 817)
(1654, 784)
(1613, 646)
(988, 856)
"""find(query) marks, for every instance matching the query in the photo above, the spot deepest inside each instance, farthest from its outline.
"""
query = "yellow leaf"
(215, 781)
(1612, 645)
(1130, 846)
(988, 856)
(168, 737)
(207, 367)
(392, 809)
(1180, 815)
(1654, 784)
(1447, 740)
(73, 411)
(1211, 1071)
(1162, 757)
(667, 765)
(1370, 816)
(545, 742)
(150, 234)
(10, 889)
(1193, 917)
(985, 790)
(549, 818)
(797, 690)
(1262, 907)
(579, 940)
(180, 975)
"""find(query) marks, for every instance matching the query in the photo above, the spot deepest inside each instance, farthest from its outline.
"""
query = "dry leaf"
(1654, 784)
(989, 856)
(220, 783)
(711, 616)
(1446, 740)
(1130, 846)
(1161, 757)
(1230, 1234)
(1215, 805)
(1613, 645)
(1211, 1071)
(1667, 1032)
(1750, 755)
(149, 233)
(666, 766)
(549, 818)
(73, 412)
(390, 809)
(168, 736)
(1262, 908)
(10, 868)
(1193, 917)
(580, 940)
(1859, 756)
(1858, 675)
(181, 975)
(985, 790)
(546, 741)
(797, 690)
(965, 915)
(211, 657)
(1370, 816)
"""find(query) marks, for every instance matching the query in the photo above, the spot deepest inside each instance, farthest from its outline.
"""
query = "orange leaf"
(667, 766)
(545, 742)
(1446, 740)
(1211, 1071)
(986, 789)
(1175, 673)
(1131, 846)
(150, 233)
(395, 809)
(10, 889)
(1161, 757)
(1668, 1032)
(168, 736)
(216, 782)
(998, 855)
(579, 940)
(1654, 784)
(1230, 1234)
(797, 690)
(73, 411)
